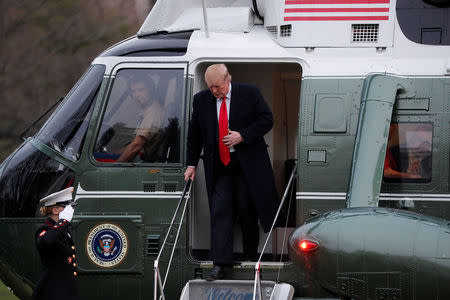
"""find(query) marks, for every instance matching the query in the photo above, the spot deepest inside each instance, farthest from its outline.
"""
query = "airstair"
(235, 289)
(197, 289)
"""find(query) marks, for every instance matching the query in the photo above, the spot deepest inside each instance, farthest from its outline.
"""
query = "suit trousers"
(231, 201)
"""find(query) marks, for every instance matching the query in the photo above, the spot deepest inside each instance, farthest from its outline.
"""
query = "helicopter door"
(133, 176)
(280, 85)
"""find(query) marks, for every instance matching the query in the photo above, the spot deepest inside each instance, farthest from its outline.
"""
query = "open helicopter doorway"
(280, 86)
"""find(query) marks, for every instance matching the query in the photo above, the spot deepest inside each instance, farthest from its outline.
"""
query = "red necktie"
(224, 152)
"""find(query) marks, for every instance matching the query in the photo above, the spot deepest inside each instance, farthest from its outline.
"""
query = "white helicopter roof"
(334, 37)
(176, 15)
(291, 23)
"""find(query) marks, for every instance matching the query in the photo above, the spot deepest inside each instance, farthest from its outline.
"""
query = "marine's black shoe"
(217, 272)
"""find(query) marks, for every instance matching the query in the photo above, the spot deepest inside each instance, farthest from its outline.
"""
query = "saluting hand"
(233, 138)
(67, 213)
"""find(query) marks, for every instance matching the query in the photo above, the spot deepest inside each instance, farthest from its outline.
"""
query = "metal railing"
(257, 285)
(157, 274)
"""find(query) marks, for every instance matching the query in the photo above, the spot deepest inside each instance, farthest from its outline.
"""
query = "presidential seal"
(107, 245)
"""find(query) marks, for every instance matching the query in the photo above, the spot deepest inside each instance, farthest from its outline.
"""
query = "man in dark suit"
(228, 123)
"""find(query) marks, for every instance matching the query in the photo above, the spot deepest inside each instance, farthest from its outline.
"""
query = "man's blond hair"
(217, 69)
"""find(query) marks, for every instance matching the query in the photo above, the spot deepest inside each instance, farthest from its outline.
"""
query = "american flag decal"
(336, 10)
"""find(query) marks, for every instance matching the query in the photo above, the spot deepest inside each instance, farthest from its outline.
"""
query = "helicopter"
(359, 91)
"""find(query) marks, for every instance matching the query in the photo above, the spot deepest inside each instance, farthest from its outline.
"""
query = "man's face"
(218, 85)
(140, 92)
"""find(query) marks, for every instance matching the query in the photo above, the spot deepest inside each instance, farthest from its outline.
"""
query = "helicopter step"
(235, 289)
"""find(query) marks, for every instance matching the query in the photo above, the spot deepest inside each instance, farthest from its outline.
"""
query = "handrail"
(258, 263)
(257, 282)
(157, 277)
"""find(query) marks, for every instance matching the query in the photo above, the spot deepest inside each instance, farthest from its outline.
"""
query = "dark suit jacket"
(252, 118)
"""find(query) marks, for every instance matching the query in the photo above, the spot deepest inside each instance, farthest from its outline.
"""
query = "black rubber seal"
(255, 7)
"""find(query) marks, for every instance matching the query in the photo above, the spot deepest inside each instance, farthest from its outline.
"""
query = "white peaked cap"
(58, 197)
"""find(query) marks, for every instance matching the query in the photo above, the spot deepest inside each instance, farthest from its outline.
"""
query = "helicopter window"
(424, 21)
(28, 177)
(142, 118)
(408, 153)
(66, 129)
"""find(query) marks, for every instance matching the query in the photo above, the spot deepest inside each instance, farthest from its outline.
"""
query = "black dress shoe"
(216, 273)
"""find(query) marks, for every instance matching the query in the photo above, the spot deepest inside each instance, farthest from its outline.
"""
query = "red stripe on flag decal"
(336, 10)
(293, 10)
(291, 2)
(337, 18)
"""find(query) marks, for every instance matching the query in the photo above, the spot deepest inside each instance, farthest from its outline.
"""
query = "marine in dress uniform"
(56, 249)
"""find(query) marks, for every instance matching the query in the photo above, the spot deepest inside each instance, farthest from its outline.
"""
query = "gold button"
(73, 247)
(74, 273)
(73, 256)
(74, 264)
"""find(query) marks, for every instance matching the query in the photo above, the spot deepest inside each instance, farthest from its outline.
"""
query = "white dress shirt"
(227, 102)
(218, 104)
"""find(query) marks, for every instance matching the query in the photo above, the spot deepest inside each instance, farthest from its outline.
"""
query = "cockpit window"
(141, 122)
(28, 177)
(408, 153)
(66, 129)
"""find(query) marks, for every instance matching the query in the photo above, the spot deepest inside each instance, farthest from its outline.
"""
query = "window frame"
(63, 104)
(184, 104)
(386, 181)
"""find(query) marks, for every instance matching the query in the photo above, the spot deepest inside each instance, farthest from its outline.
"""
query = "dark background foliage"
(46, 45)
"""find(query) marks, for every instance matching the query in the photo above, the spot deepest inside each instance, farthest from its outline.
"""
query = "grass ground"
(5, 294)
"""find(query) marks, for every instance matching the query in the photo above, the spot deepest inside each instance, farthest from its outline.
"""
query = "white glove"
(66, 213)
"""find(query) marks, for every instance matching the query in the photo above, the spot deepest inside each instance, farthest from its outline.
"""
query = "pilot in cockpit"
(151, 116)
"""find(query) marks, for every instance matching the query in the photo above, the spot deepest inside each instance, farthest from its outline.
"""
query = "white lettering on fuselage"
(226, 294)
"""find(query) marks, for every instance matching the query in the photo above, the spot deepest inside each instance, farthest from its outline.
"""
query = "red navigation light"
(308, 245)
